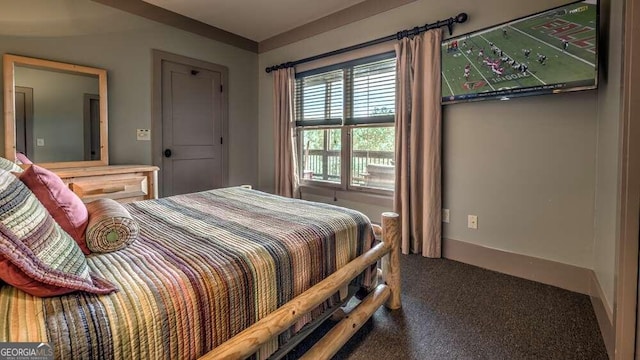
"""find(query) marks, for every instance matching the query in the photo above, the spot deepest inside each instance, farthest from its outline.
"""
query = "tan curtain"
(418, 143)
(286, 175)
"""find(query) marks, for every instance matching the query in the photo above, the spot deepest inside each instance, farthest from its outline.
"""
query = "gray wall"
(99, 36)
(525, 167)
(608, 122)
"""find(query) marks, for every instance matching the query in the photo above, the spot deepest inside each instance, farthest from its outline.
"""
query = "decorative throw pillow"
(111, 227)
(63, 204)
(36, 255)
(9, 165)
(22, 159)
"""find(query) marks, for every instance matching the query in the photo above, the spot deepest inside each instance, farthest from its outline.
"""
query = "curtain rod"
(460, 18)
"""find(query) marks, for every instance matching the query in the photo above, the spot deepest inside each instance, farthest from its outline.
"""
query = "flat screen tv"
(552, 51)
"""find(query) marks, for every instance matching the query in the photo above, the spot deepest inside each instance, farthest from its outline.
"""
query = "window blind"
(319, 98)
(352, 93)
(373, 92)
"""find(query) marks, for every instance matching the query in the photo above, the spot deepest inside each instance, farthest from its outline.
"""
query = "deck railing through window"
(325, 164)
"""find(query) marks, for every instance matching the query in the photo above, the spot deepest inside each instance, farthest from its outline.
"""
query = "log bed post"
(391, 262)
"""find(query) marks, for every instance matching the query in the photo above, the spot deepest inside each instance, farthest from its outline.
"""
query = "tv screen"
(548, 52)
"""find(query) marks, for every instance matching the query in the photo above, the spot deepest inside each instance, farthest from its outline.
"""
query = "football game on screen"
(547, 52)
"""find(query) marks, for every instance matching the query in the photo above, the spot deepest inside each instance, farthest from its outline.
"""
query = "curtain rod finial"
(462, 17)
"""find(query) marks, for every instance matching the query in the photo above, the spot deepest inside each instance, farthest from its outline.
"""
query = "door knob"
(167, 153)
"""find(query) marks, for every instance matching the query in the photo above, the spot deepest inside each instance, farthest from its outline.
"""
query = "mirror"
(55, 113)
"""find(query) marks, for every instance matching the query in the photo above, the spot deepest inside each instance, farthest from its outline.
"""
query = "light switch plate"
(40, 142)
(143, 134)
(445, 216)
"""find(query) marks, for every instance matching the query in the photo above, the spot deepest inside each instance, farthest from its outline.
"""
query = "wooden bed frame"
(251, 339)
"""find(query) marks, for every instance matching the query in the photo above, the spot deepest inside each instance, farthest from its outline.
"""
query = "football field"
(554, 47)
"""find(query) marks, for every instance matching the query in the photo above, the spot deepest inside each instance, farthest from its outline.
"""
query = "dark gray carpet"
(457, 311)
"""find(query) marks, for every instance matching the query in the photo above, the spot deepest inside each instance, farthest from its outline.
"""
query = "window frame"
(345, 125)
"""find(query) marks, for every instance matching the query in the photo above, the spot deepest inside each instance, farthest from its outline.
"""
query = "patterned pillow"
(36, 255)
(9, 165)
(111, 227)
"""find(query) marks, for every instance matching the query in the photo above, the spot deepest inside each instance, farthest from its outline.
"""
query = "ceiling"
(60, 18)
(253, 25)
(255, 19)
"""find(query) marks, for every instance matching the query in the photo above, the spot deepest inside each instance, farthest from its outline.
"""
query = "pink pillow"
(63, 204)
(23, 159)
(53, 285)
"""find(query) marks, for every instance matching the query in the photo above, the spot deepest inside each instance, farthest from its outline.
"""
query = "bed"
(227, 273)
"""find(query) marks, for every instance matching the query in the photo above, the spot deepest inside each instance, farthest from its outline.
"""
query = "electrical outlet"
(472, 221)
(445, 216)
(143, 134)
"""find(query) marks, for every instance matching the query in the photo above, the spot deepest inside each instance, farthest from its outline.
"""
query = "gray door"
(191, 129)
(24, 120)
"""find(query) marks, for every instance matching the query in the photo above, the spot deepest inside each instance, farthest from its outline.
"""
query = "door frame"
(626, 284)
(86, 121)
(28, 121)
(156, 108)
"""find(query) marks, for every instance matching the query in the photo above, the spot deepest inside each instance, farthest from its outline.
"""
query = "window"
(344, 118)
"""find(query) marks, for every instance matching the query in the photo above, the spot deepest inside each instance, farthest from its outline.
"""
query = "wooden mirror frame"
(9, 63)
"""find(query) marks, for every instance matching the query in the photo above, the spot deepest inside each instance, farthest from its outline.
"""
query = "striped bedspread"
(205, 266)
